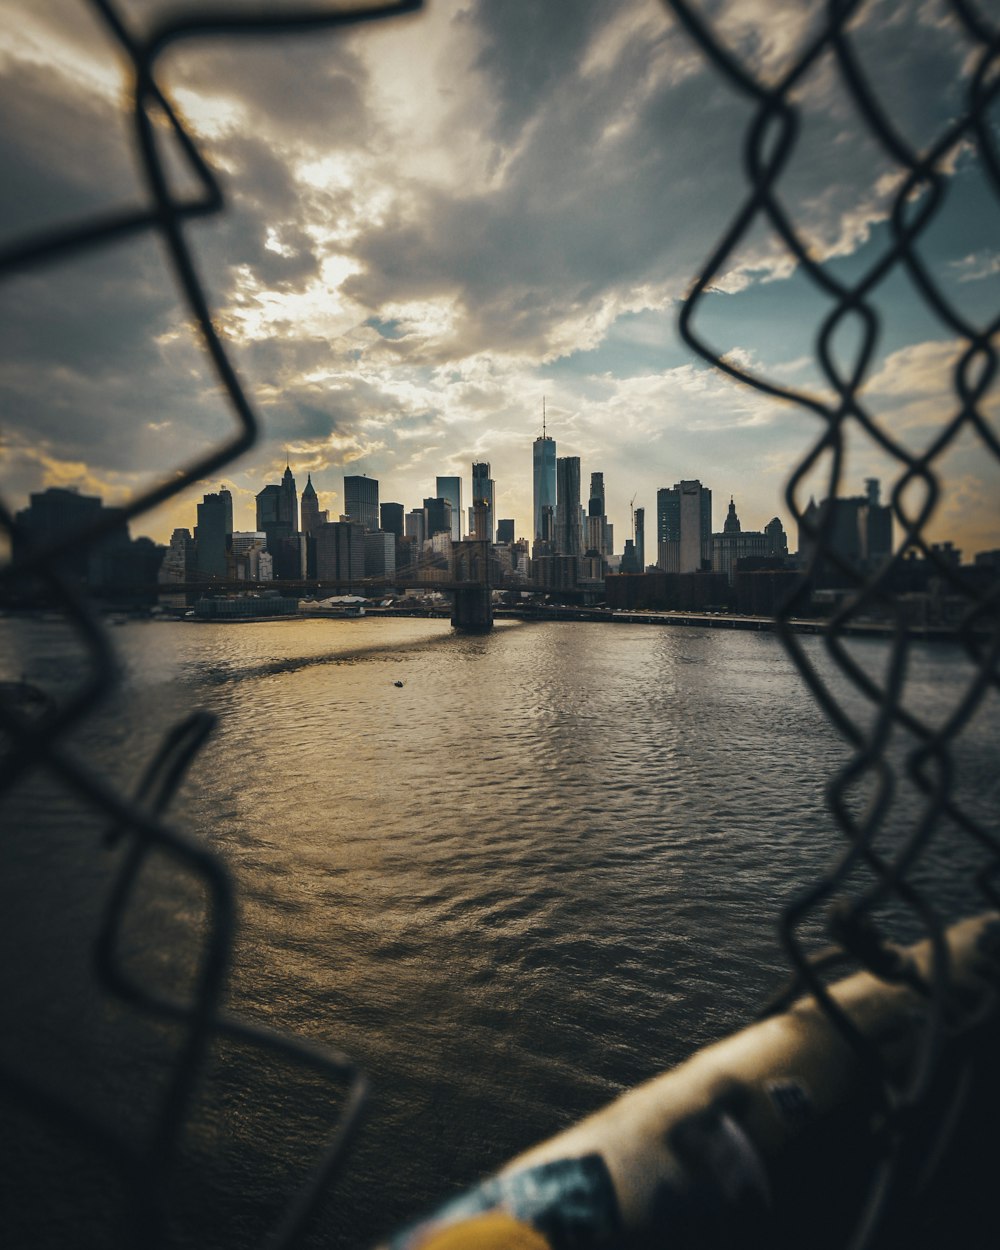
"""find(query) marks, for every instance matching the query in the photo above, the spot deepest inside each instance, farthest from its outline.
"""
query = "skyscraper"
(179, 561)
(310, 507)
(505, 531)
(544, 476)
(568, 538)
(380, 554)
(415, 526)
(361, 500)
(640, 538)
(213, 534)
(289, 499)
(340, 551)
(272, 518)
(268, 506)
(858, 531)
(437, 518)
(483, 488)
(391, 516)
(450, 488)
(597, 521)
(684, 528)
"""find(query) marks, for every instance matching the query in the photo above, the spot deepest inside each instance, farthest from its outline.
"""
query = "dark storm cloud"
(85, 365)
(95, 347)
(582, 213)
(80, 367)
(301, 91)
(528, 49)
(619, 184)
(64, 152)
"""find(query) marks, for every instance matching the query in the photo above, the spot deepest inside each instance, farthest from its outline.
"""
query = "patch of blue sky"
(635, 344)
(390, 328)
(777, 323)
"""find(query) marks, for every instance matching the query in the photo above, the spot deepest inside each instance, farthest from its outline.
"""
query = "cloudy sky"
(434, 223)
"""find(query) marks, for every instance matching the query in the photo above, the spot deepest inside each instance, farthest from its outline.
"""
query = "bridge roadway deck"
(315, 585)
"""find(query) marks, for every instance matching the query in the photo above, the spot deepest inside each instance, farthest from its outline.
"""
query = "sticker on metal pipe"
(568, 1204)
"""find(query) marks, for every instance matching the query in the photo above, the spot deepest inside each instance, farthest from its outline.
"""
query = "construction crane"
(631, 509)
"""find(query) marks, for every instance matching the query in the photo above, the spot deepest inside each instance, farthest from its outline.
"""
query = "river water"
(546, 866)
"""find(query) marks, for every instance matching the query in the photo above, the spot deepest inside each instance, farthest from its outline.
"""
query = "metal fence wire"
(873, 868)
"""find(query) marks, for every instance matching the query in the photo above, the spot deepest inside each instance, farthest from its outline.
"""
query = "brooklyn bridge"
(469, 576)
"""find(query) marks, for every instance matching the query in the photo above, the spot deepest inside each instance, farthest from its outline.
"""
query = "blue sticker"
(571, 1202)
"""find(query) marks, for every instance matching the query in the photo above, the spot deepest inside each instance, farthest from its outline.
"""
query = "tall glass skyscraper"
(450, 488)
(482, 490)
(544, 476)
(361, 500)
(569, 530)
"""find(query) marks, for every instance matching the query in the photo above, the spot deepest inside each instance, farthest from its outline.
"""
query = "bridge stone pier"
(472, 611)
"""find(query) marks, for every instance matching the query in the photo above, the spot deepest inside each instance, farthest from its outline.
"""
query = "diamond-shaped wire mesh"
(879, 858)
(880, 855)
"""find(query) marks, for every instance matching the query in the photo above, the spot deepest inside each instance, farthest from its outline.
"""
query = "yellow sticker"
(493, 1230)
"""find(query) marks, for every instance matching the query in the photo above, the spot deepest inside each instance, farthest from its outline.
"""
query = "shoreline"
(688, 620)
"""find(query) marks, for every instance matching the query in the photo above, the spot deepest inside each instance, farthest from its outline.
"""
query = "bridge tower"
(472, 610)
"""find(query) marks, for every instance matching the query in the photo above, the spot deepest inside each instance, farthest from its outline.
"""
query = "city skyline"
(523, 530)
(419, 248)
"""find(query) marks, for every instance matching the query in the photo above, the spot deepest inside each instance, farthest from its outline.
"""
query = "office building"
(277, 505)
(544, 480)
(289, 500)
(276, 509)
(546, 545)
(450, 488)
(505, 531)
(243, 540)
(568, 534)
(244, 560)
(684, 528)
(483, 488)
(340, 551)
(310, 513)
(213, 534)
(596, 535)
(380, 554)
(859, 537)
(179, 560)
(416, 526)
(640, 538)
(391, 518)
(361, 500)
(479, 522)
(269, 506)
(437, 518)
(54, 514)
(629, 560)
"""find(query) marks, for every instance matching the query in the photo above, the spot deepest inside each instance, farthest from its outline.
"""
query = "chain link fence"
(879, 857)
(878, 862)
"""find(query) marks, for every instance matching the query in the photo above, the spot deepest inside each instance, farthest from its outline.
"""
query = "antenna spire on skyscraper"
(543, 417)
